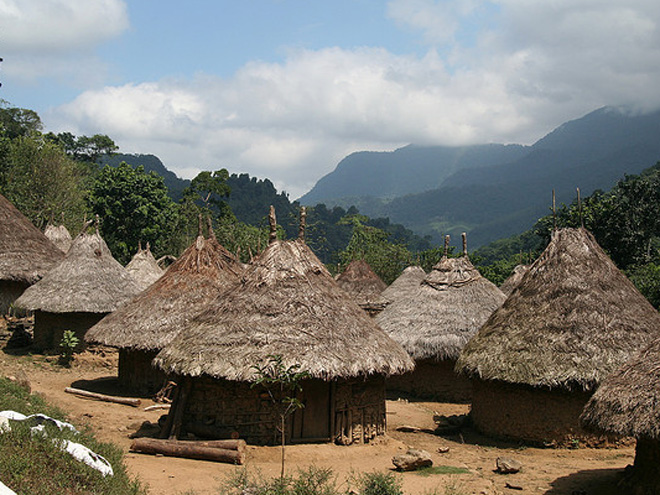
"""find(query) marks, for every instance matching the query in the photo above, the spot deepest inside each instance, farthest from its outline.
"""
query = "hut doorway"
(312, 422)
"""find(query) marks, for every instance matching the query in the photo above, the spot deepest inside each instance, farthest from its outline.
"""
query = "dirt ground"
(550, 471)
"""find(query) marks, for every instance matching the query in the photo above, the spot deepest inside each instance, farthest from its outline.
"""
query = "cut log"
(157, 407)
(106, 398)
(190, 450)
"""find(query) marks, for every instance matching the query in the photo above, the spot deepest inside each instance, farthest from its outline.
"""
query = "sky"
(284, 89)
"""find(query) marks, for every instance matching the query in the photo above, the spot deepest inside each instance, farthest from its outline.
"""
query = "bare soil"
(550, 471)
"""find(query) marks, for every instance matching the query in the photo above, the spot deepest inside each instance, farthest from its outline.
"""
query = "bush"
(377, 484)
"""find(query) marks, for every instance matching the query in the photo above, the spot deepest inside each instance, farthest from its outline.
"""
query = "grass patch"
(441, 470)
(34, 465)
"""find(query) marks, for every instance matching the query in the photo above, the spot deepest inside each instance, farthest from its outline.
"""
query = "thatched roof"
(88, 280)
(153, 318)
(25, 252)
(405, 284)
(362, 284)
(444, 312)
(59, 236)
(574, 319)
(514, 279)
(628, 401)
(144, 268)
(286, 304)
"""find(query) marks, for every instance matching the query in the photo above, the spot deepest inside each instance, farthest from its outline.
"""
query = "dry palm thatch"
(405, 284)
(287, 304)
(628, 401)
(88, 280)
(444, 312)
(514, 279)
(59, 236)
(574, 319)
(25, 253)
(144, 268)
(363, 285)
(153, 318)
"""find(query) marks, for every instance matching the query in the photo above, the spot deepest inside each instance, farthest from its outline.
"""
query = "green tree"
(18, 122)
(83, 148)
(133, 206)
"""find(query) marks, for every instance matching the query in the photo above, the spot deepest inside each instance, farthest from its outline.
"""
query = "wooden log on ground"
(157, 407)
(228, 444)
(189, 450)
(106, 398)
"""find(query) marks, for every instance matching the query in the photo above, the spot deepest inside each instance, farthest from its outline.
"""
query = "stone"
(443, 450)
(412, 460)
(507, 465)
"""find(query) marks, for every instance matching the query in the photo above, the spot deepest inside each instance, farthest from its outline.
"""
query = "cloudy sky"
(286, 88)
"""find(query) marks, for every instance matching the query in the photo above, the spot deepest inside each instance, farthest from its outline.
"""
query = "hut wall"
(528, 414)
(49, 327)
(432, 380)
(136, 373)
(645, 473)
(9, 292)
(346, 411)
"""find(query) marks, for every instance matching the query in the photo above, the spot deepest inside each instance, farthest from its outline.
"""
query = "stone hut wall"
(432, 380)
(137, 374)
(9, 292)
(49, 328)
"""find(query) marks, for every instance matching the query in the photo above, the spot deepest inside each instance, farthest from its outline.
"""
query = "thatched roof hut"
(573, 320)
(144, 325)
(74, 295)
(628, 404)
(287, 304)
(363, 285)
(59, 236)
(514, 279)
(435, 322)
(405, 284)
(143, 267)
(26, 254)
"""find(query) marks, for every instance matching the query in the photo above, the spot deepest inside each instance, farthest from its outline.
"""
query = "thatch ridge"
(362, 283)
(514, 279)
(88, 280)
(143, 268)
(574, 319)
(153, 318)
(405, 284)
(26, 254)
(59, 236)
(286, 304)
(444, 311)
(628, 401)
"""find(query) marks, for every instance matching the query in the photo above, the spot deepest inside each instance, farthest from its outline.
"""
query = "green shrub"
(377, 483)
(68, 345)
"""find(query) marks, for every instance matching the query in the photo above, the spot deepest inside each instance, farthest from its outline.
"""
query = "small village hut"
(59, 235)
(143, 267)
(405, 284)
(514, 279)
(574, 319)
(26, 254)
(88, 284)
(433, 324)
(363, 285)
(144, 325)
(628, 404)
(288, 305)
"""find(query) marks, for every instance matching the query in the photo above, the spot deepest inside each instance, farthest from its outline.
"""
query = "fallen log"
(190, 449)
(106, 398)
(156, 407)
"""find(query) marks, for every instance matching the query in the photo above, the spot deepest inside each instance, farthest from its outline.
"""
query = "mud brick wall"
(433, 380)
(49, 328)
(359, 410)
(137, 374)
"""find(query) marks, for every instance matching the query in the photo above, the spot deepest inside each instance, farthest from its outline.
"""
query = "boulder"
(412, 460)
(507, 465)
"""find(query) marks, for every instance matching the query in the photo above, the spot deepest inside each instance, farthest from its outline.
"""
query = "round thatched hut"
(514, 279)
(88, 284)
(26, 254)
(144, 325)
(286, 305)
(628, 404)
(363, 285)
(405, 284)
(433, 324)
(573, 320)
(59, 236)
(143, 268)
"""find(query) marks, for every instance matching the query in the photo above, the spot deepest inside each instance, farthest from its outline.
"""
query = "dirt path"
(550, 471)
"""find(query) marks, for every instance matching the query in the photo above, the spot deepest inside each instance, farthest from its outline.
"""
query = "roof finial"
(303, 220)
(199, 224)
(446, 245)
(464, 236)
(209, 222)
(554, 212)
(148, 246)
(272, 236)
(98, 221)
(139, 245)
(579, 200)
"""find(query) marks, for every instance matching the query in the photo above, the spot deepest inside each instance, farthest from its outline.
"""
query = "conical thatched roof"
(286, 304)
(628, 401)
(25, 252)
(362, 284)
(59, 236)
(88, 280)
(444, 312)
(153, 318)
(514, 279)
(405, 284)
(574, 319)
(143, 268)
